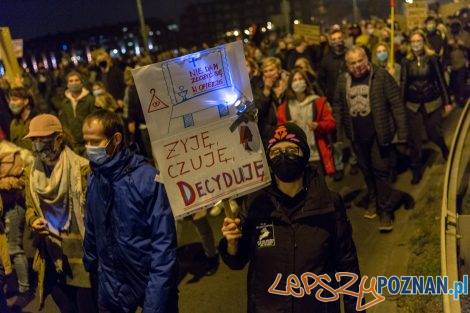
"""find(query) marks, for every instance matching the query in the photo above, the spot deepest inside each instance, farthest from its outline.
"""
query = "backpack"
(11, 171)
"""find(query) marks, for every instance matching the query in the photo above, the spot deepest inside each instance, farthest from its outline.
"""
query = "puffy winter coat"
(387, 108)
(282, 235)
(130, 237)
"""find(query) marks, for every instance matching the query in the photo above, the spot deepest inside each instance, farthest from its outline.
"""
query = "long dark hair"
(290, 94)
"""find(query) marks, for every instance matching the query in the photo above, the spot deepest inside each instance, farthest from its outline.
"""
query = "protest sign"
(311, 33)
(189, 106)
(17, 48)
(401, 20)
(416, 13)
(13, 70)
(449, 9)
(210, 163)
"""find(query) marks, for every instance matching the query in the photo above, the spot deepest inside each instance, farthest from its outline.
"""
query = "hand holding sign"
(192, 106)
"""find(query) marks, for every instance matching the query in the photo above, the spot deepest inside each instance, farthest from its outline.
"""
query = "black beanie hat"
(292, 133)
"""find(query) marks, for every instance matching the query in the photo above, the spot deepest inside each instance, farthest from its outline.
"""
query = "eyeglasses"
(289, 150)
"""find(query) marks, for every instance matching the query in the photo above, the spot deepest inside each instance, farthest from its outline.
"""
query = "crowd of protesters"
(77, 168)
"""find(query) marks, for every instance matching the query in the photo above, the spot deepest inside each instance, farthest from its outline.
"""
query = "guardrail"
(455, 239)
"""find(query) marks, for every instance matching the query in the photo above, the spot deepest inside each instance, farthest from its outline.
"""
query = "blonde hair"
(309, 68)
(270, 61)
(375, 60)
(427, 50)
(98, 52)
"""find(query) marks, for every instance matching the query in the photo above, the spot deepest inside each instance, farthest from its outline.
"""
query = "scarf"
(59, 196)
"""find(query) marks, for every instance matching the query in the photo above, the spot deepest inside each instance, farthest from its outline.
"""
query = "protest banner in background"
(189, 106)
(401, 20)
(17, 48)
(311, 33)
(449, 9)
(416, 13)
(9, 56)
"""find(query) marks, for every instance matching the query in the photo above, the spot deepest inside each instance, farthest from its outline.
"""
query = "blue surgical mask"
(382, 56)
(97, 155)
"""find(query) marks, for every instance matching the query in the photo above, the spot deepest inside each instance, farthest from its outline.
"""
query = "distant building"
(209, 21)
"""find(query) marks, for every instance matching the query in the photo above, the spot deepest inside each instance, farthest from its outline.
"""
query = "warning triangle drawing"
(156, 103)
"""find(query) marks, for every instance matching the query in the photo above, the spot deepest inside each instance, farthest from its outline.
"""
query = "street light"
(355, 11)
(143, 28)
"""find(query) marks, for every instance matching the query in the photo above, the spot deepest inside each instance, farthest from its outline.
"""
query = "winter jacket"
(330, 69)
(267, 110)
(19, 129)
(326, 124)
(437, 41)
(282, 235)
(387, 109)
(130, 237)
(113, 81)
(71, 246)
(72, 117)
(423, 81)
(459, 50)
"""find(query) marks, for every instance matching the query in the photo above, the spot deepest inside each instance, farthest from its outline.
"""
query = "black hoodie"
(281, 235)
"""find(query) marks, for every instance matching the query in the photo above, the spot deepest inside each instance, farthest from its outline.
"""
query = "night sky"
(34, 18)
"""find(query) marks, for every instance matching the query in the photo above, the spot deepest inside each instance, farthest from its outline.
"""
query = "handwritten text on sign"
(208, 164)
(196, 76)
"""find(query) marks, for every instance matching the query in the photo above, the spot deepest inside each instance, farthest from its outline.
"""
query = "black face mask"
(46, 151)
(288, 167)
(103, 64)
(339, 48)
(455, 28)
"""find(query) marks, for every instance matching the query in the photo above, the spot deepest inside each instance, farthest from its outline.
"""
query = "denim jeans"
(15, 222)
(338, 149)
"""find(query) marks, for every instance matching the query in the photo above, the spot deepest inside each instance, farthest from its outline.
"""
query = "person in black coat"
(437, 40)
(368, 111)
(112, 77)
(269, 94)
(331, 67)
(424, 91)
(277, 224)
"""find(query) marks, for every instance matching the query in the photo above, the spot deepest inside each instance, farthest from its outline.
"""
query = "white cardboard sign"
(188, 103)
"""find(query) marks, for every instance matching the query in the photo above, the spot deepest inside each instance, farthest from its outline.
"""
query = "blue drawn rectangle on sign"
(223, 110)
(188, 120)
(197, 74)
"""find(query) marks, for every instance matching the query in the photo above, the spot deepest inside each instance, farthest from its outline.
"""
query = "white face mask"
(98, 92)
(299, 86)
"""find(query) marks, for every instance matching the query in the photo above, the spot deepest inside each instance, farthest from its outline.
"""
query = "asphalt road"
(379, 254)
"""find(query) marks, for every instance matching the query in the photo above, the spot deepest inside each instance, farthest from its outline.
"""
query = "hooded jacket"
(282, 235)
(73, 112)
(130, 237)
